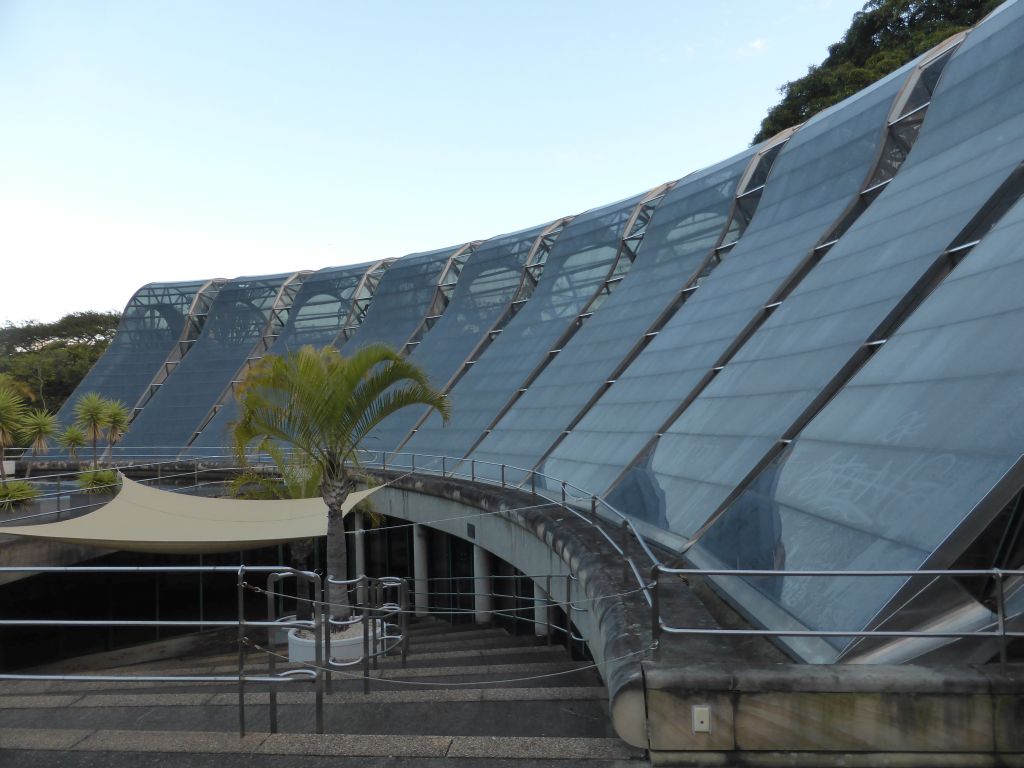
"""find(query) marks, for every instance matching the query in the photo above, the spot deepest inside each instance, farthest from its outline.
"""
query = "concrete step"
(96, 748)
(581, 718)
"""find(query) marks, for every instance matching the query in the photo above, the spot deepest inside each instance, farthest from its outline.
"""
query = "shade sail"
(144, 519)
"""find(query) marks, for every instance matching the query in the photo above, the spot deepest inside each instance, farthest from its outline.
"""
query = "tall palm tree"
(37, 427)
(91, 415)
(322, 405)
(71, 439)
(12, 412)
(117, 418)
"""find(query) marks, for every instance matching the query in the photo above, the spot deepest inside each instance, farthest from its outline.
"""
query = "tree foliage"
(48, 360)
(882, 37)
(321, 406)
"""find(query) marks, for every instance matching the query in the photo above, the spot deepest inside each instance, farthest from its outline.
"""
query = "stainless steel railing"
(1000, 634)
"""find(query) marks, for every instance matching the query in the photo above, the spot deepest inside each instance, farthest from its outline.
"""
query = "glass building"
(806, 357)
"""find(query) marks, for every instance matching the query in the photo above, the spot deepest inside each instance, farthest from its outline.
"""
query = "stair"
(472, 694)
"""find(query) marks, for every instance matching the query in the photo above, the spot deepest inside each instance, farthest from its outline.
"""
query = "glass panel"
(402, 300)
(820, 328)
(681, 234)
(487, 284)
(317, 314)
(150, 327)
(891, 472)
(816, 177)
(236, 322)
(576, 268)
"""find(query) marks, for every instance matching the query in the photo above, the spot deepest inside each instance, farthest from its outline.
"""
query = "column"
(419, 568)
(483, 585)
(540, 611)
(360, 552)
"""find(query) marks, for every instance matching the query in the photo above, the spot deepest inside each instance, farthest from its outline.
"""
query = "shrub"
(16, 492)
(98, 480)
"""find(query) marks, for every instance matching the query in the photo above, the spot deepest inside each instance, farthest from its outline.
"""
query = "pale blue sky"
(155, 140)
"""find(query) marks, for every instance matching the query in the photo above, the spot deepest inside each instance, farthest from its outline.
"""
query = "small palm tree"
(322, 405)
(37, 427)
(91, 416)
(117, 418)
(12, 413)
(71, 439)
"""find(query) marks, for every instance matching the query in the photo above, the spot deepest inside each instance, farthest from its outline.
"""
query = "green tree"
(91, 417)
(71, 439)
(50, 359)
(12, 414)
(116, 421)
(882, 37)
(37, 427)
(322, 405)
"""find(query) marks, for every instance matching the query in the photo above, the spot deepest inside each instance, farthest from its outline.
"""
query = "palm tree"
(37, 427)
(117, 418)
(12, 413)
(71, 439)
(322, 405)
(91, 415)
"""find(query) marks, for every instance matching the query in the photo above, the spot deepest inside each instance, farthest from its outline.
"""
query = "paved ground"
(476, 696)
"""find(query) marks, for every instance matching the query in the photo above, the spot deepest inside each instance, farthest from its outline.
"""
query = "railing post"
(328, 677)
(1001, 608)
(195, 472)
(547, 616)
(502, 475)
(533, 482)
(272, 580)
(414, 462)
(655, 608)
(563, 493)
(58, 496)
(241, 650)
(366, 649)
(403, 621)
(444, 469)
(318, 636)
(472, 470)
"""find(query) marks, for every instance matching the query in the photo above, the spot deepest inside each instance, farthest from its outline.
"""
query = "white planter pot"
(346, 646)
(279, 636)
(8, 467)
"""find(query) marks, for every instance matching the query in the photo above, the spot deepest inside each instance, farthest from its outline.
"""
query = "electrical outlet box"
(701, 718)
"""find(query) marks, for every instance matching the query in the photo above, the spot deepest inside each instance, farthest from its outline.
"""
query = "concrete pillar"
(419, 568)
(483, 585)
(360, 551)
(540, 611)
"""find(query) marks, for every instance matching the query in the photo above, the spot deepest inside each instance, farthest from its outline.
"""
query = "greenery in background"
(320, 406)
(14, 492)
(882, 37)
(71, 439)
(12, 412)
(98, 480)
(48, 360)
(37, 427)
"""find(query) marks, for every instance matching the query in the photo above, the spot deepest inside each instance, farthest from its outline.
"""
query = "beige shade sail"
(144, 519)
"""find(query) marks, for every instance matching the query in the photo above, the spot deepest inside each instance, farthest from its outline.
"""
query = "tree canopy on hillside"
(50, 359)
(882, 37)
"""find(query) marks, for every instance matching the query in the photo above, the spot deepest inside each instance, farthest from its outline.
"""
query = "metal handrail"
(658, 627)
(241, 678)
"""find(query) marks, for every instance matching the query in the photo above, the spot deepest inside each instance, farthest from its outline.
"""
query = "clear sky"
(155, 140)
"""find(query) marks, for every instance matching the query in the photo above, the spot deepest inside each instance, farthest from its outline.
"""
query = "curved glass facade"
(804, 357)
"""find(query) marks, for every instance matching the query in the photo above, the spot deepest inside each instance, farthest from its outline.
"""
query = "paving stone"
(370, 746)
(41, 738)
(541, 747)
